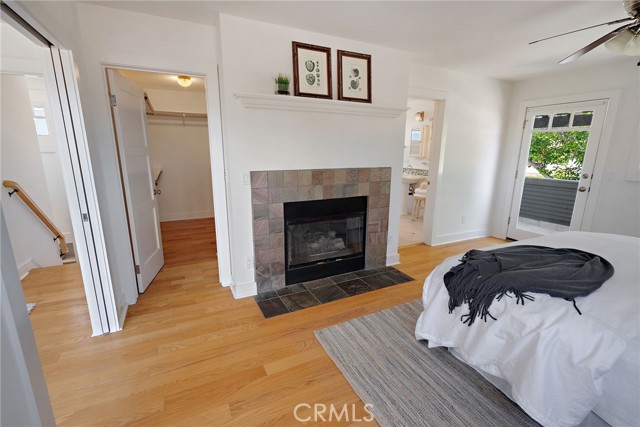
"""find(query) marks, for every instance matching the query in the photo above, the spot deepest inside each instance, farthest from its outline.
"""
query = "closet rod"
(152, 112)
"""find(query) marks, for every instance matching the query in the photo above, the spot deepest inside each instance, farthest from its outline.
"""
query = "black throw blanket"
(485, 275)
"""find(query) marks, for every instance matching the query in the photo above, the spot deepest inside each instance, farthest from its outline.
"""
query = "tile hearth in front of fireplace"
(321, 291)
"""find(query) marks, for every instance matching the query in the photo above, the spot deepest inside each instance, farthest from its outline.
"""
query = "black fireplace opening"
(324, 238)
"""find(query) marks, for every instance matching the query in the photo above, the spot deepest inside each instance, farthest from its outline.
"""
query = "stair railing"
(19, 191)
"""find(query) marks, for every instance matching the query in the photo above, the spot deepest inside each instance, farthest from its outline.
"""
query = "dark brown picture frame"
(316, 81)
(347, 90)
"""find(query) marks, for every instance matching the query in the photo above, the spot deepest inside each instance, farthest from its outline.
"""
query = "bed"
(558, 366)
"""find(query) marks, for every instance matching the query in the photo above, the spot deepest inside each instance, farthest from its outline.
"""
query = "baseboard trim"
(185, 215)
(393, 259)
(244, 290)
(459, 237)
(26, 267)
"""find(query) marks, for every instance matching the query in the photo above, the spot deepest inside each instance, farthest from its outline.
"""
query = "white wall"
(32, 242)
(475, 110)
(257, 139)
(146, 42)
(617, 203)
(181, 149)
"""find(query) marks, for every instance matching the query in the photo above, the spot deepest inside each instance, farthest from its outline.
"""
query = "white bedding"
(555, 360)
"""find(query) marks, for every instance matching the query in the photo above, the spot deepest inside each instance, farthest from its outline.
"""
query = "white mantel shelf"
(316, 105)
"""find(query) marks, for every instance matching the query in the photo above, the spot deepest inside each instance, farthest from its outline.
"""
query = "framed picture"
(354, 76)
(311, 70)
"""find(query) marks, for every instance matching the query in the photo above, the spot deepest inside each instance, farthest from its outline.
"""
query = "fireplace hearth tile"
(363, 189)
(316, 192)
(266, 295)
(292, 289)
(272, 307)
(379, 281)
(364, 273)
(342, 277)
(374, 188)
(311, 285)
(295, 302)
(277, 269)
(276, 240)
(354, 287)
(398, 276)
(351, 190)
(329, 293)
(383, 202)
(277, 255)
(259, 180)
(321, 291)
(374, 174)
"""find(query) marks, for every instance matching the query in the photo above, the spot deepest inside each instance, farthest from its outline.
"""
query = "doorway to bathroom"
(419, 133)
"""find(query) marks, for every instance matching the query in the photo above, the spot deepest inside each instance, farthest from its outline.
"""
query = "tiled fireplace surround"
(271, 189)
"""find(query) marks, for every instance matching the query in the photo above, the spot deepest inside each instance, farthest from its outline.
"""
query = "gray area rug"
(409, 384)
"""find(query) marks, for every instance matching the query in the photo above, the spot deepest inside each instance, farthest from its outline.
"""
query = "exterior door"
(129, 115)
(555, 168)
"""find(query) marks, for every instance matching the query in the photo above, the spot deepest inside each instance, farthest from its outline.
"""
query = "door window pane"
(541, 122)
(583, 118)
(561, 120)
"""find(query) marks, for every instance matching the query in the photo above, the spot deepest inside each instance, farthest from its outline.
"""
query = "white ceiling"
(151, 80)
(482, 37)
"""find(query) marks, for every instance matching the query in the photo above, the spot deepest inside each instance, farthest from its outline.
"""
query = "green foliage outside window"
(558, 155)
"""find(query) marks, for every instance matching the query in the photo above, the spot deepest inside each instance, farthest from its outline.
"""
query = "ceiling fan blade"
(585, 28)
(595, 44)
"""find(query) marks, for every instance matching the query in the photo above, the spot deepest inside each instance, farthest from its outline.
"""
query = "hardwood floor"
(191, 355)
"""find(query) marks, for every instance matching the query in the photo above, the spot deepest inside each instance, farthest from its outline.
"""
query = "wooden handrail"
(38, 212)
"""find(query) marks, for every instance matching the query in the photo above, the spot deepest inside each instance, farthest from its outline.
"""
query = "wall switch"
(249, 262)
(246, 180)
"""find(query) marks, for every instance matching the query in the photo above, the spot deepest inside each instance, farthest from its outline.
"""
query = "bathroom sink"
(412, 179)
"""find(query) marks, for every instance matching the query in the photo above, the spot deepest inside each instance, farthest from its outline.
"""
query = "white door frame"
(62, 91)
(510, 164)
(216, 153)
(436, 157)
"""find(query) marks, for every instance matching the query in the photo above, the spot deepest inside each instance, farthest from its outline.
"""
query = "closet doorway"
(162, 139)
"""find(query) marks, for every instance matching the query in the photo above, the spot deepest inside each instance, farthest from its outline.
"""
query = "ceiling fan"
(624, 40)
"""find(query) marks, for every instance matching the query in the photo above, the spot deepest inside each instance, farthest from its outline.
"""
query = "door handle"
(582, 189)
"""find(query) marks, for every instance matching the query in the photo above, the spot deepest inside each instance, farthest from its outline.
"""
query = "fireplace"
(272, 190)
(324, 238)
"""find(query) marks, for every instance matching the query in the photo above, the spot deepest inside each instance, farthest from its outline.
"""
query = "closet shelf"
(315, 105)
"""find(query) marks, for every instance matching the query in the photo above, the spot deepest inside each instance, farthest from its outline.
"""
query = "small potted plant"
(282, 82)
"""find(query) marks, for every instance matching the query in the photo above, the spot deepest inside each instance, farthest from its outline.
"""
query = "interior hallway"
(190, 354)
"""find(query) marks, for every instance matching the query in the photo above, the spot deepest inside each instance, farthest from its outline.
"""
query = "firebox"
(324, 238)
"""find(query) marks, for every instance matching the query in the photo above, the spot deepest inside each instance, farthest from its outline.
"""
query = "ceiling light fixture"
(420, 116)
(626, 43)
(184, 81)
